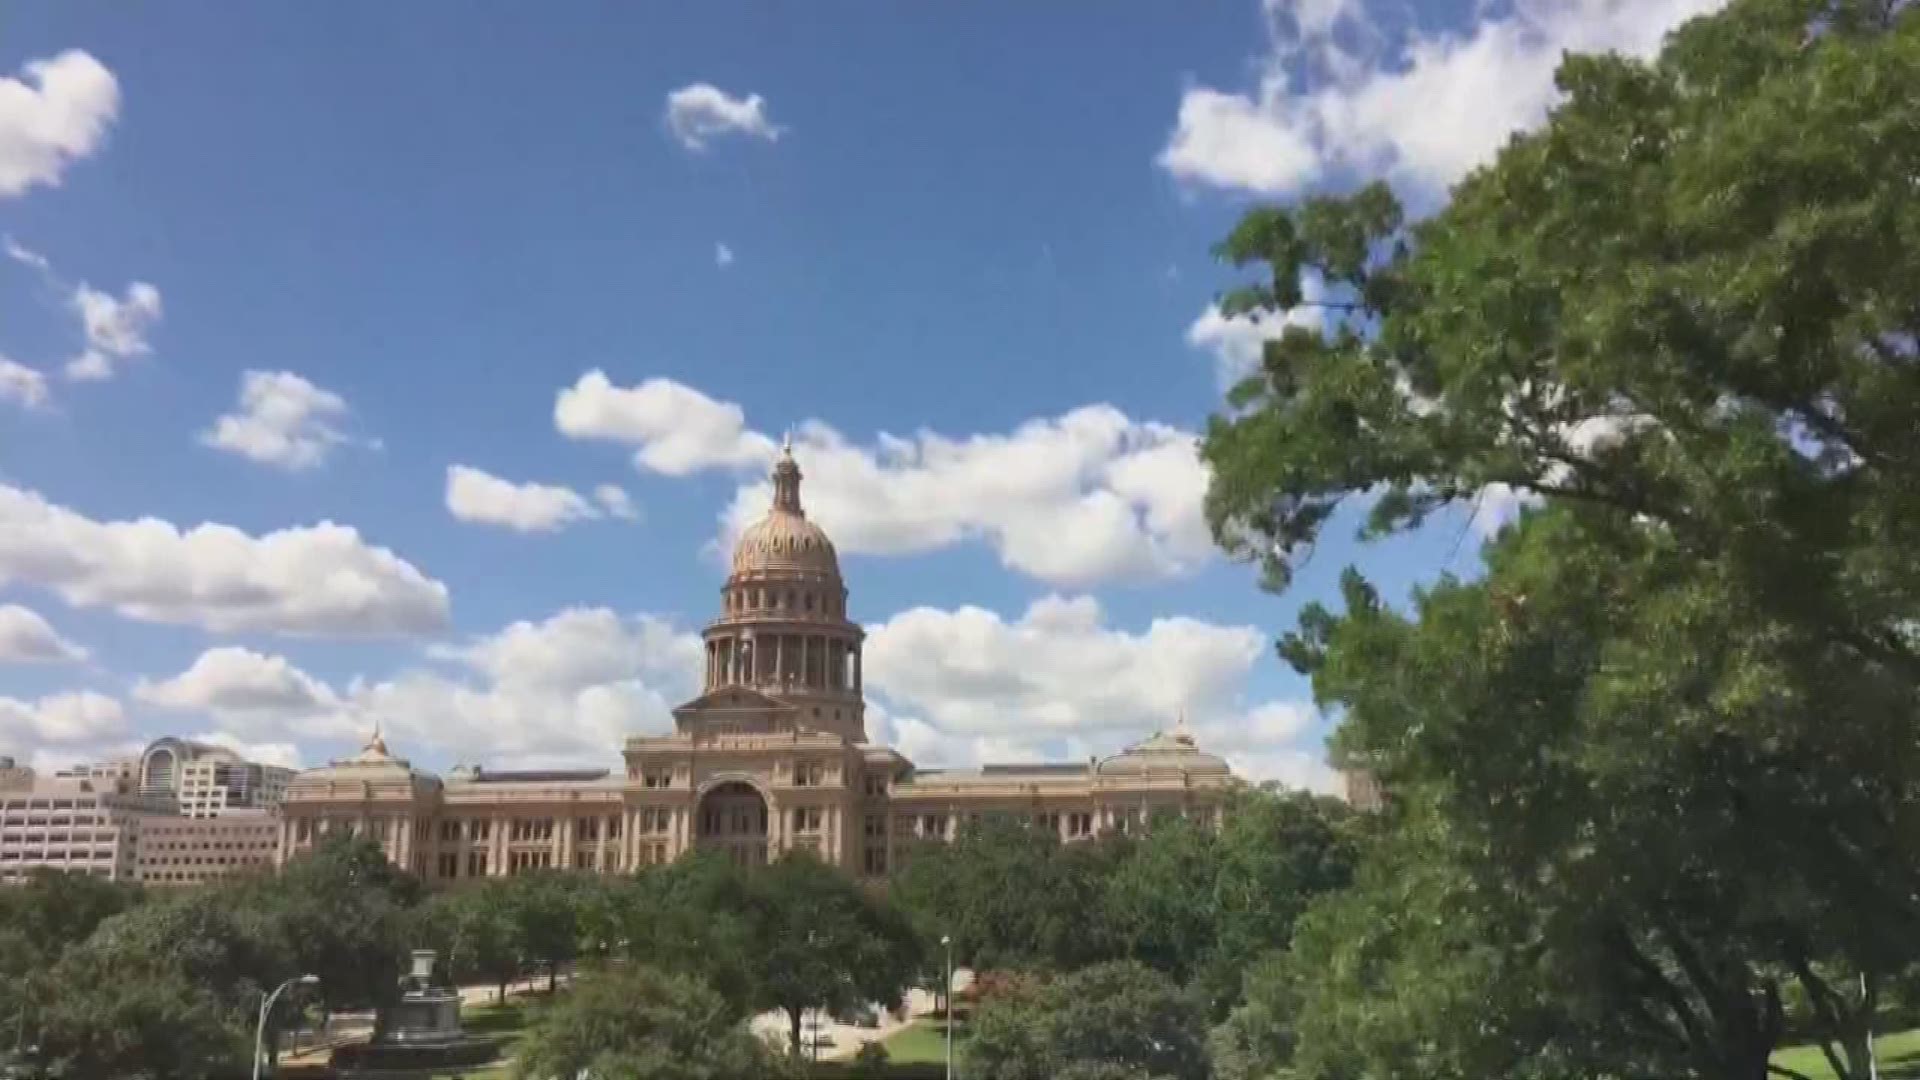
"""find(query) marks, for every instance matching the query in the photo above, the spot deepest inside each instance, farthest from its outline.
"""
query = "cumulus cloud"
(316, 580)
(1237, 342)
(26, 638)
(1087, 496)
(284, 754)
(116, 328)
(565, 690)
(234, 682)
(722, 256)
(65, 719)
(22, 385)
(699, 113)
(678, 429)
(281, 420)
(54, 113)
(1423, 110)
(966, 685)
(615, 502)
(482, 498)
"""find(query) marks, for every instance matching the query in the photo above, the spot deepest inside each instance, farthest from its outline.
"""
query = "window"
(476, 864)
(613, 827)
(656, 778)
(479, 829)
(933, 825)
(876, 825)
(809, 774)
(302, 830)
(449, 832)
(658, 819)
(587, 829)
(524, 829)
(876, 861)
(1079, 824)
(449, 864)
(583, 860)
(806, 819)
(876, 785)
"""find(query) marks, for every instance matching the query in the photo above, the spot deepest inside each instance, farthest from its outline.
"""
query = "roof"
(539, 776)
(1165, 755)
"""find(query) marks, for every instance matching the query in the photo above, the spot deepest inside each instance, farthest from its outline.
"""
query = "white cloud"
(1423, 113)
(26, 638)
(318, 580)
(701, 112)
(57, 112)
(22, 385)
(281, 420)
(678, 429)
(65, 718)
(482, 498)
(722, 256)
(231, 682)
(615, 501)
(565, 690)
(116, 328)
(1060, 683)
(1237, 342)
(25, 256)
(1087, 496)
(284, 754)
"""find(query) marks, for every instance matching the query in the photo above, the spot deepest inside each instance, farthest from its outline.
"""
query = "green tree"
(631, 1022)
(1688, 299)
(695, 916)
(167, 989)
(823, 942)
(474, 932)
(1256, 1041)
(344, 909)
(1120, 1020)
(1159, 903)
(1276, 852)
(1008, 894)
(1665, 808)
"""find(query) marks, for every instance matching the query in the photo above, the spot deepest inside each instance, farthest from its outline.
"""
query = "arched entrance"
(733, 819)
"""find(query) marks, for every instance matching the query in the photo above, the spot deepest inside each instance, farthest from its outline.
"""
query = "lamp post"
(1866, 1003)
(947, 941)
(266, 1006)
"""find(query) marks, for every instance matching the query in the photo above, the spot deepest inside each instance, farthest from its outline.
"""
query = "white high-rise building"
(208, 780)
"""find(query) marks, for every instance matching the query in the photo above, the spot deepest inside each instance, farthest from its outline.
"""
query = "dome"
(784, 541)
(1165, 755)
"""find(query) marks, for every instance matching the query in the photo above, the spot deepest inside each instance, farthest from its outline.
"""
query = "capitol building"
(771, 757)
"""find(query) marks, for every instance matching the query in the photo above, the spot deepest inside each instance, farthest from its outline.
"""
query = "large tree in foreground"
(1664, 754)
(631, 1022)
(1691, 299)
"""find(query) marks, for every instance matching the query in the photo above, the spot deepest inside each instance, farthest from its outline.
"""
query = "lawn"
(922, 1040)
(1898, 1054)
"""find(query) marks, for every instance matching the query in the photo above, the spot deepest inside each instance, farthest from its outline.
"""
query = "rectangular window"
(586, 828)
(449, 831)
(476, 864)
(449, 864)
(876, 825)
(876, 861)
(479, 829)
(656, 778)
(806, 819)
(613, 827)
(934, 826)
(583, 860)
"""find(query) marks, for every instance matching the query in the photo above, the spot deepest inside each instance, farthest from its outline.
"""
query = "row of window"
(47, 804)
(761, 598)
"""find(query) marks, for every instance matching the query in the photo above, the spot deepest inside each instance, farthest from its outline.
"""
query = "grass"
(1898, 1054)
(922, 1040)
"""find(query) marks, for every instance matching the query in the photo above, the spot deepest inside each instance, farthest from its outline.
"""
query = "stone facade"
(772, 756)
(75, 824)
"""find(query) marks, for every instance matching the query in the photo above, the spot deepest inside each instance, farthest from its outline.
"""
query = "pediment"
(740, 707)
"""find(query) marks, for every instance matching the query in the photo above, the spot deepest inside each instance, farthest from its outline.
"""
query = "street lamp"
(266, 1006)
(948, 943)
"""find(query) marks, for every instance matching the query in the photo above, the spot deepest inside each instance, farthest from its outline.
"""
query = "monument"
(420, 1030)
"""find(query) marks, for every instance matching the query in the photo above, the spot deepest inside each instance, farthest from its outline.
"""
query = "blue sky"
(960, 250)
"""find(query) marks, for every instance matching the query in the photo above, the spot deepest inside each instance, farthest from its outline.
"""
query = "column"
(497, 858)
(806, 667)
(779, 659)
(563, 842)
(856, 670)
